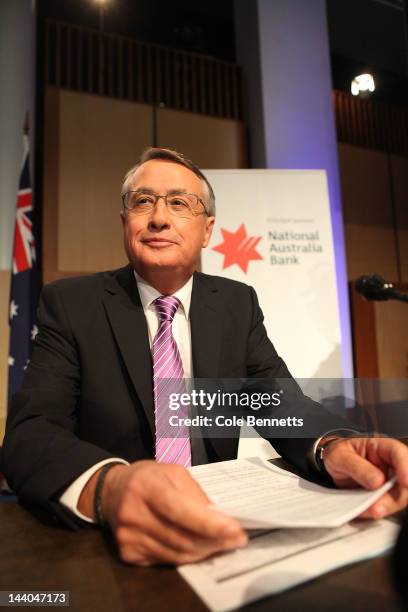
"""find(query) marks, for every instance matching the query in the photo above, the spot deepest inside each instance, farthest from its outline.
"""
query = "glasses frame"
(157, 196)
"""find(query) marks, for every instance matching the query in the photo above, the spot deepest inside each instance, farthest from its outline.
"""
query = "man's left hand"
(368, 463)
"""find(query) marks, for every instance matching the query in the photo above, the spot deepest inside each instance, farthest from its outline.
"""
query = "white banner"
(273, 232)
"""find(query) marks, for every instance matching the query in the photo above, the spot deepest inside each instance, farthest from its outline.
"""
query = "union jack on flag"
(25, 283)
(24, 243)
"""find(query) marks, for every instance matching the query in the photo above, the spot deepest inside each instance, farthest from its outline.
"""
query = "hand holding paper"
(261, 495)
(368, 463)
(158, 514)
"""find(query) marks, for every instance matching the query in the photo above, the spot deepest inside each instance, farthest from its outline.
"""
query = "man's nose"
(159, 217)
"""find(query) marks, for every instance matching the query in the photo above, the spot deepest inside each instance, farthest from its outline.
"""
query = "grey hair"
(177, 158)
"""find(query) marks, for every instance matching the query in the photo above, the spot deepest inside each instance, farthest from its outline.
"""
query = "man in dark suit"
(83, 433)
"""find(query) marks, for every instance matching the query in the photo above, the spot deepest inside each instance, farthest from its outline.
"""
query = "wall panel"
(370, 250)
(380, 340)
(210, 142)
(99, 140)
(368, 215)
(400, 183)
(392, 339)
(50, 186)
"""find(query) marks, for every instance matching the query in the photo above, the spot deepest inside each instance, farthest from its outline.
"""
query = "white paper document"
(260, 495)
(277, 560)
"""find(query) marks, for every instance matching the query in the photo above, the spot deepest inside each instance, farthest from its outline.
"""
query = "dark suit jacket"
(87, 392)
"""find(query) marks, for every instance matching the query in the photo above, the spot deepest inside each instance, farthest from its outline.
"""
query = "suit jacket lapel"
(126, 316)
(206, 319)
(128, 322)
(206, 327)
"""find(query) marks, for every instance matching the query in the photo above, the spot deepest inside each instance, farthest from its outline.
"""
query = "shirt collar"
(148, 294)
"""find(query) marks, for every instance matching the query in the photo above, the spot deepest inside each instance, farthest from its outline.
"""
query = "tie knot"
(166, 307)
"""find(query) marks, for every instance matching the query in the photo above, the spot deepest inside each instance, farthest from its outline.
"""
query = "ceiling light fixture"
(363, 83)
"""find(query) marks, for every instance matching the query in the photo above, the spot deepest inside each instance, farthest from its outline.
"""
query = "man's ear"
(209, 225)
(123, 218)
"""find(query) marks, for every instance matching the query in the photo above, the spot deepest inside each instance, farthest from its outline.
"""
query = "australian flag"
(25, 282)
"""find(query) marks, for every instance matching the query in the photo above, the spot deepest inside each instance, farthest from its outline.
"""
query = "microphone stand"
(398, 295)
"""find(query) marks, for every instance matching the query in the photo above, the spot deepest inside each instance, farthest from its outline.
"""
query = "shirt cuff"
(70, 498)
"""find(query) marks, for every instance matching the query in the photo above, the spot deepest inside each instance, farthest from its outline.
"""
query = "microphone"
(374, 287)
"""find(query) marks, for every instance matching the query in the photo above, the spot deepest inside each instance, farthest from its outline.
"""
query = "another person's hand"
(159, 514)
(368, 463)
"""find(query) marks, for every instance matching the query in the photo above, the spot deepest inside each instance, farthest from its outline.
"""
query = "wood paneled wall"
(375, 207)
(380, 339)
(391, 322)
(90, 142)
(399, 169)
(89, 61)
(375, 204)
(209, 141)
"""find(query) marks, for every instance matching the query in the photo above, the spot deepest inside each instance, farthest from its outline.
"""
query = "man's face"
(158, 240)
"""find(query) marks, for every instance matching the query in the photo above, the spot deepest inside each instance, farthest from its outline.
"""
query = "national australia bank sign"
(290, 247)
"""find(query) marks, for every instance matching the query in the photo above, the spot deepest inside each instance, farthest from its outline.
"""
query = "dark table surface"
(38, 557)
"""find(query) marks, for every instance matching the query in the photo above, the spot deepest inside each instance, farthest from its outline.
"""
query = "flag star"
(13, 309)
(27, 362)
(11, 361)
(34, 332)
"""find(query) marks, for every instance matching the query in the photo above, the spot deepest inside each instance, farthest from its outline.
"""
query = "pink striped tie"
(168, 377)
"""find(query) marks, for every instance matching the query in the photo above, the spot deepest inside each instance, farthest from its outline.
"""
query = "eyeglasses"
(178, 204)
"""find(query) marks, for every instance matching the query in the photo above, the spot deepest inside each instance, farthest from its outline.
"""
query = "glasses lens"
(184, 205)
(181, 205)
(139, 202)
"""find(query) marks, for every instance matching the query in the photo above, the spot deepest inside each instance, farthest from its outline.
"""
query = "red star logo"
(238, 248)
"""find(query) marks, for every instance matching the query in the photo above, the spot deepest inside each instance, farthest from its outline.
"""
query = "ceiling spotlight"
(363, 83)
(102, 5)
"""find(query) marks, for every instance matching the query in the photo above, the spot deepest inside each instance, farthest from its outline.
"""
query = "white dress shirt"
(182, 335)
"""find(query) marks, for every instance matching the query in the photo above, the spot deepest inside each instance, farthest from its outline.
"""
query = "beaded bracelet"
(97, 502)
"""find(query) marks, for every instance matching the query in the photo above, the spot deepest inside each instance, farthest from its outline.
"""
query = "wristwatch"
(316, 453)
(319, 451)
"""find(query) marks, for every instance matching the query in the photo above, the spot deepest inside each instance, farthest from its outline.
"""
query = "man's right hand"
(159, 514)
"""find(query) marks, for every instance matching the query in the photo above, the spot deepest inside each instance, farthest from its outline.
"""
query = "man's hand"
(369, 462)
(159, 514)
